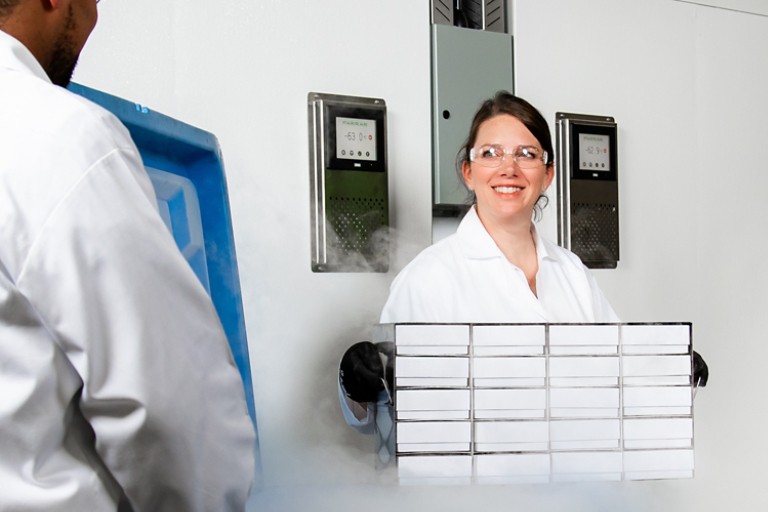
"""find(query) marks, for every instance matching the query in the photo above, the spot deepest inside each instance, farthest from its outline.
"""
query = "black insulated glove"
(361, 372)
(700, 370)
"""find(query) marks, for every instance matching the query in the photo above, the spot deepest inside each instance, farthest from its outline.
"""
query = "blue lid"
(186, 169)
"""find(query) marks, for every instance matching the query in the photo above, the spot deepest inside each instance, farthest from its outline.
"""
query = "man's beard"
(65, 54)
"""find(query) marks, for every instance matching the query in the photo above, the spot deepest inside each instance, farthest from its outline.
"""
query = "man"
(117, 386)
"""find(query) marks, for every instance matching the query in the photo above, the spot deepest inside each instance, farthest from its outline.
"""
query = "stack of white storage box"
(502, 403)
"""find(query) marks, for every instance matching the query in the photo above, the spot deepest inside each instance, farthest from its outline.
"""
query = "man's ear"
(51, 5)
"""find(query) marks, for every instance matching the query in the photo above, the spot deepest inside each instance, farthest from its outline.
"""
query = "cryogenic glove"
(700, 370)
(361, 372)
(387, 354)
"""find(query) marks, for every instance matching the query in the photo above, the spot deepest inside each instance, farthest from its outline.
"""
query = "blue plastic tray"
(187, 171)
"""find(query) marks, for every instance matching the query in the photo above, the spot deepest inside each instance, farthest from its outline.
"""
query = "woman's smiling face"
(507, 192)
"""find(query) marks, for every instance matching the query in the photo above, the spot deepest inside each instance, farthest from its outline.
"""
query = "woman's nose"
(508, 167)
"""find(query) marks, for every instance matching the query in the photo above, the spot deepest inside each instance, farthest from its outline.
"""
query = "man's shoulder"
(89, 118)
(52, 111)
(50, 141)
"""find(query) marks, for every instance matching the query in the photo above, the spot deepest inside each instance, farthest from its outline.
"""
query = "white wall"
(686, 84)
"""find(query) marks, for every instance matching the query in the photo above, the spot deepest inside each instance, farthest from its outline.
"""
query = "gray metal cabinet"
(468, 66)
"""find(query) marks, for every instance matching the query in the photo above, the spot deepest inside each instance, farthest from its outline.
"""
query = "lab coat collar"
(16, 57)
(541, 245)
(477, 243)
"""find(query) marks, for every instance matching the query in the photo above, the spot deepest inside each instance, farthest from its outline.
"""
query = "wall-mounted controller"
(588, 188)
(348, 177)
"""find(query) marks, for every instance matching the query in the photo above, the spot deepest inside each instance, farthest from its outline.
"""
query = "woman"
(496, 268)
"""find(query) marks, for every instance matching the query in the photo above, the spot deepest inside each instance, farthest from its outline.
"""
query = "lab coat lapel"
(475, 241)
(478, 245)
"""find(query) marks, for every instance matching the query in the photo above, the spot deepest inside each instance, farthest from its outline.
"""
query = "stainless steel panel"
(587, 210)
(348, 208)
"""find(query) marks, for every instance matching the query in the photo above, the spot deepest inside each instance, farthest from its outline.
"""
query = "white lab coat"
(102, 319)
(465, 278)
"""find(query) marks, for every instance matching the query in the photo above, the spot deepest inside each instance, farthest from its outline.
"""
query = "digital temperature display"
(355, 139)
(594, 152)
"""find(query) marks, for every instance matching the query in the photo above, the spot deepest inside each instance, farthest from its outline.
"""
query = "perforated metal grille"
(355, 222)
(595, 232)
(442, 12)
(494, 15)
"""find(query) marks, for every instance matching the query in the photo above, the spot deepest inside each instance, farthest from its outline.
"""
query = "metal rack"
(523, 403)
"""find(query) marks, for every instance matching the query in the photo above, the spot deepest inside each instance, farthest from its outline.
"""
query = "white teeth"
(507, 190)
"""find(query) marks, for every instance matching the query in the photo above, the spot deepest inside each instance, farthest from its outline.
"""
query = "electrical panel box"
(588, 188)
(468, 67)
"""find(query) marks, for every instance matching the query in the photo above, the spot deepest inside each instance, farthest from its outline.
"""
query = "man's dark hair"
(6, 7)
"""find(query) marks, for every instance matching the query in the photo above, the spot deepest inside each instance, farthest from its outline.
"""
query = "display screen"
(355, 139)
(594, 152)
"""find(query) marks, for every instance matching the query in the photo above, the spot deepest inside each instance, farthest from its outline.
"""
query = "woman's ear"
(466, 171)
(549, 176)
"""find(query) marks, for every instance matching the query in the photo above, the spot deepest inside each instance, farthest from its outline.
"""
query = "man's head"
(54, 31)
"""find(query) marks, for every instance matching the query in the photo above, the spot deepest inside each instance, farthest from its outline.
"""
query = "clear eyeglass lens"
(527, 157)
(491, 155)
